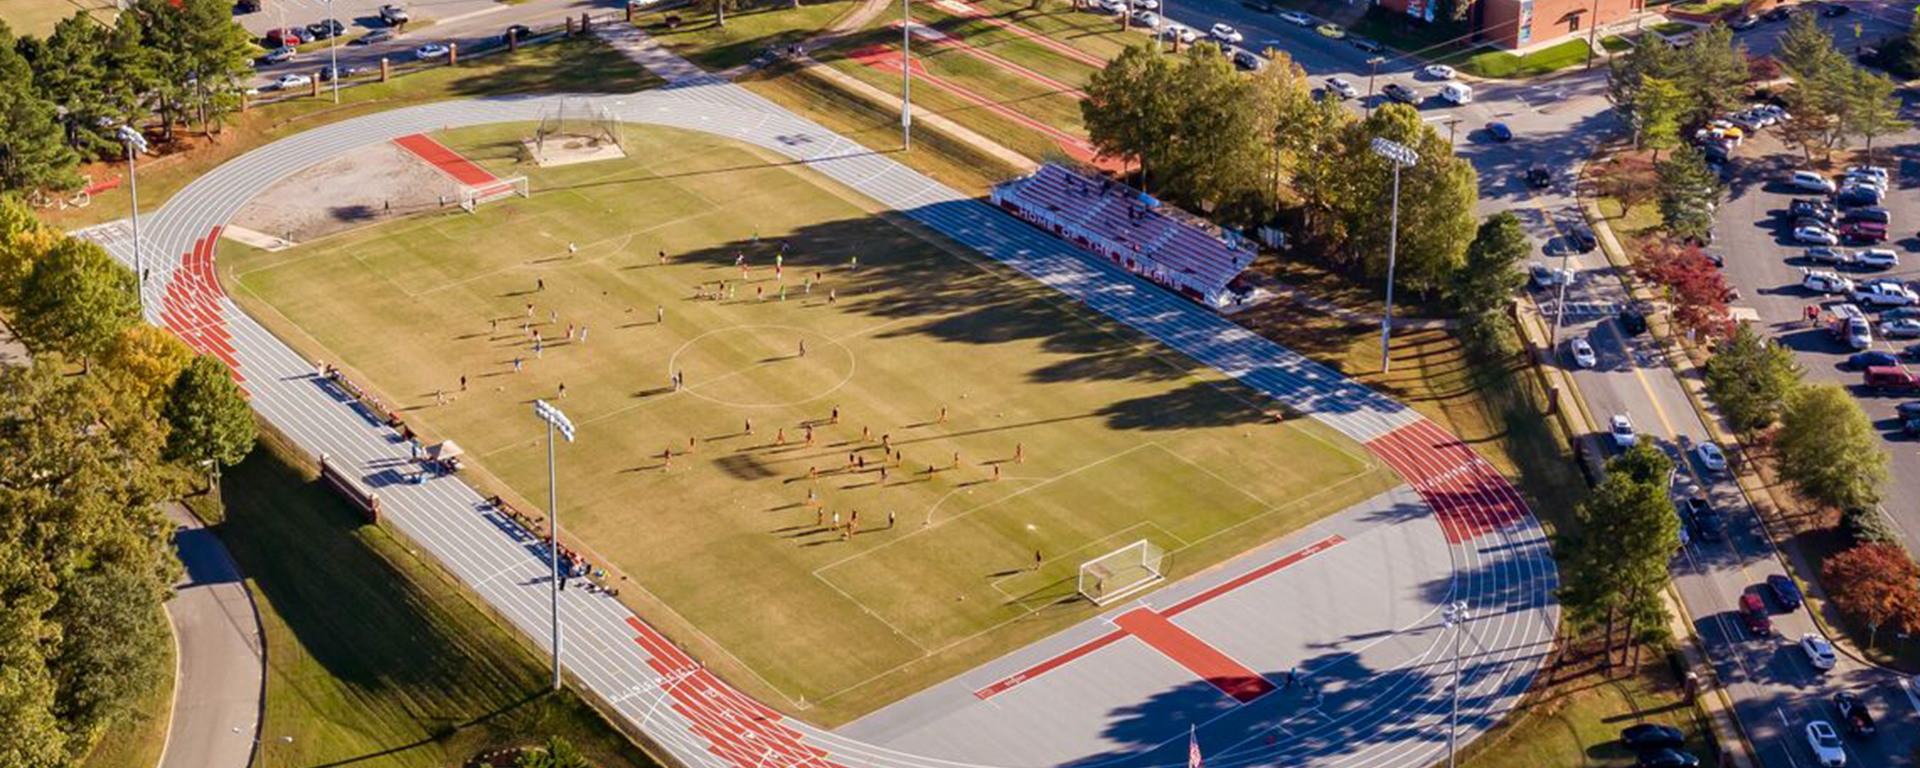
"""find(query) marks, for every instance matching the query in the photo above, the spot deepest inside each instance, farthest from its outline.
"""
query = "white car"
(1826, 744)
(1869, 170)
(1822, 281)
(1621, 428)
(1810, 181)
(1438, 71)
(1901, 328)
(1884, 293)
(1297, 19)
(1876, 258)
(1227, 33)
(1184, 34)
(291, 81)
(1147, 19)
(1151, 5)
(1582, 353)
(1819, 651)
(1711, 457)
(283, 53)
(430, 51)
(1340, 86)
(1817, 235)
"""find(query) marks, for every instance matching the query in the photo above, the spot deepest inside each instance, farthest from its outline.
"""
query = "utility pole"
(136, 143)
(333, 50)
(1455, 617)
(1401, 156)
(1593, 31)
(906, 77)
(555, 420)
(1375, 71)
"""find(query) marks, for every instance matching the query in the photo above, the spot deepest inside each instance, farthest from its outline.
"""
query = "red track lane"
(1468, 497)
(948, 41)
(736, 729)
(1004, 684)
(190, 306)
(447, 160)
(1218, 669)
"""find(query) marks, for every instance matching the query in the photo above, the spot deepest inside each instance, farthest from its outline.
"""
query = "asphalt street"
(472, 24)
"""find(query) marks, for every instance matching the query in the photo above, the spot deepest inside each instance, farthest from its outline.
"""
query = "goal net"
(474, 196)
(1122, 572)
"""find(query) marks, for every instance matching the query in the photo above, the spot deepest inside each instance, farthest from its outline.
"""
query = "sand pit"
(364, 187)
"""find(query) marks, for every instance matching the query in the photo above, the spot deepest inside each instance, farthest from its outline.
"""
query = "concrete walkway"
(12, 352)
(222, 663)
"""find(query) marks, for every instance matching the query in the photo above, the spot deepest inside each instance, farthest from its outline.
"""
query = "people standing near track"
(663, 257)
(583, 334)
(836, 415)
(659, 314)
(780, 436)
(889, 519)
(563, 391)
(690, 445)
(809, 435)
(803, 347)
(666, 459)
(1038, 560)
(749, 427)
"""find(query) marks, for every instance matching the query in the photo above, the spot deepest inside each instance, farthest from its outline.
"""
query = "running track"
(1495, 541)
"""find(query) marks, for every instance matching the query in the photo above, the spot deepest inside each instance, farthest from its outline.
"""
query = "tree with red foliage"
(1877, 584)
(1693, 284)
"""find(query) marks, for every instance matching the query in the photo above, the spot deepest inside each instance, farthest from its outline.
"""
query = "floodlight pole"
(136, 143)
(333, 50)
(1371, 74)
(906, 77)
(1401, 156)
(553, 418)
(1455, 617)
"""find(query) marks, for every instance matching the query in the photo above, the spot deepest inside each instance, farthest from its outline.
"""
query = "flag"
(1193, 749)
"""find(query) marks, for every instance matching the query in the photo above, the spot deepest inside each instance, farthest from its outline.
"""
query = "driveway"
(217, 693)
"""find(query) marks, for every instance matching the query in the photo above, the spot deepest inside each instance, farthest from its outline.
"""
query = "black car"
(1819, 209)
(247, 6)
(1871, 213)
(321, 30)
(1706, 522)
(1646, 736)
(1633, 323)
(1745, 22)
(516, 32)
(1246, 61)
(1908, 410)
(1401, 93)
(1834, 9)
(1582, 239)
(1539, 177)
(1779, 13)
(1366, 45)
(1785, 592)
(1854, 713)
(330, 72)
(1668, 758)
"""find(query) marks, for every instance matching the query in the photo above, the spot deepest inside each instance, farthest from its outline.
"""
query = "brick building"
(1527, 24)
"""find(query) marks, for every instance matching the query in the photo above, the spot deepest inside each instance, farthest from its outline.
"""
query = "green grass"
(135, 740)
(1708, 6)
(373, 658)
(37, 17)
(581, 65)
(1616, 44)
(1503, 64)
(1578, 723)
(746, 34)
(1672, 27)
(1122, 439)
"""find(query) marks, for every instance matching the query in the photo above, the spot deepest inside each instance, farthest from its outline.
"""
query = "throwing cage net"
(1122, 572)
(576, 119)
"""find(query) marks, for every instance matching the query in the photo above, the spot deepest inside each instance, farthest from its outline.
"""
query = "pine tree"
(33, 154)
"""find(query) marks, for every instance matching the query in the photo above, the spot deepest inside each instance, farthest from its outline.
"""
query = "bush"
(1865, 525)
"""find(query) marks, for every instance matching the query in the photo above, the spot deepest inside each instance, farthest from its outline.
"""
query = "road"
(472, 24)
(217, 692)
(1558, 123)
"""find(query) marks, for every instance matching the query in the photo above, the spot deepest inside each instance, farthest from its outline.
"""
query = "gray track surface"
(1505, 574)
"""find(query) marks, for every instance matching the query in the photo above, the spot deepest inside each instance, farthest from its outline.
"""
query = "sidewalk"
(220, 683)
(12, 352)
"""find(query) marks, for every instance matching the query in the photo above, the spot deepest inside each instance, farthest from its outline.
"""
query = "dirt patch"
(362, 187)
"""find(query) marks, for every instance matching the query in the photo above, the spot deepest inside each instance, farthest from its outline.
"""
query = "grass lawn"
(1540, 62)
(1615, 43)
(1707, 6)
(1577, 722)
(746, 34)
(582, 65)
(1672, 27)
(373, 658)
(134, 741)
(1098, 437)
(37, 17)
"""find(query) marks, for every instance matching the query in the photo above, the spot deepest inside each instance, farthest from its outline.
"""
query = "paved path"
(216, 695)
(12, 352)
(1497, 551)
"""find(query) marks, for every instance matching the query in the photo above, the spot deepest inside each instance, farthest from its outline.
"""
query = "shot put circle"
(768, 362)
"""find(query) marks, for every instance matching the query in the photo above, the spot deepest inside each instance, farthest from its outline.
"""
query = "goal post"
(473, 196)
(1122, 572)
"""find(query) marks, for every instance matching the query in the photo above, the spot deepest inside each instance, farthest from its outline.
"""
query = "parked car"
(1853, 712)
(1582, 239)
(1811, 207)
(1711, 457)
(1882, 380)
(1826, 745)
(376, 36)
(1903, 328)
(1870, 213)
(1864, 232)
(1438, 71)
(1582, 352)
(1907, 410)
(1539, 177)
(1819, 651)
(290, 81)
(1861, 361)
(1899, 312)
(283, 36)
(1339, 86)
(1860, 194)
(430, 51)
(1620, 428)
(1785, 592)
(1809, 181)
(1668, 758)
(1632, 323)
(1332, 30)
(1874, 258)
(1246, 60)
(1297, 19)
(1885, 292)
(1753, 613)
(1824, 255)
(1499, 132)
(330, 72)
(1225, 32)
(1821, 281)
(394, 15)
(1650, 736)
(1401, 93)
(325, 28)
(1812, 234)
(1366, 44)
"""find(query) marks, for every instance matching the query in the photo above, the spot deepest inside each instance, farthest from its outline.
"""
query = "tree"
(111, 631)
(1818, 94)
(209, 416)
(1828, 450)
(1687, 191)
(1482, 289)
(77, 299)
(1643, 463)
(1877, 584)
(1714, 73)
(69, 71)
(1628, 73)
(1697, 289)
(1282, 100)
(1866, 525)
(23, 240)
(1657, 112)
(558, 753)
(1437, 199)
(33, 154)
(1618, 560)
(198, 57)
(145, 360)
(1750, 378)
(1218, 154)
(1129, 109)
(1872, 109)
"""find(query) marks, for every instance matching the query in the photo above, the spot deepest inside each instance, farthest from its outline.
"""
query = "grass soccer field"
(1064, 433)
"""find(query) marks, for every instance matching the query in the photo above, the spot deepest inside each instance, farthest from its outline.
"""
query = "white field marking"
(877, 617)
(995, 583)
(1283, 505)
(673, 364)
(1217, 478)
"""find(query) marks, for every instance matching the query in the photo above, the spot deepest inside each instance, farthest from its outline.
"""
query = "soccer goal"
(1122, 572)
(474, 196)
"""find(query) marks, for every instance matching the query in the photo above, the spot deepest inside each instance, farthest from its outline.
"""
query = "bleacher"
(1158, 242)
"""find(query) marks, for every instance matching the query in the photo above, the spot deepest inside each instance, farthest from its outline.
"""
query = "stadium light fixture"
(1401, 156)
(906, 76)
(136, 143)
(554, 420)
(1454, 616)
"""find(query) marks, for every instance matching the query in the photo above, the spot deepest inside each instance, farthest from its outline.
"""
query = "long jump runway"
(1352, 621)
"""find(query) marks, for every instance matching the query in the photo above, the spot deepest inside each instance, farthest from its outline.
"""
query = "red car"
(1889, 378)
(1864, 232)
(1753, 611)
(277, 38)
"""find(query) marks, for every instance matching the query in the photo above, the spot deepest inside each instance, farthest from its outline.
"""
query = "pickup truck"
(1853, 712)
